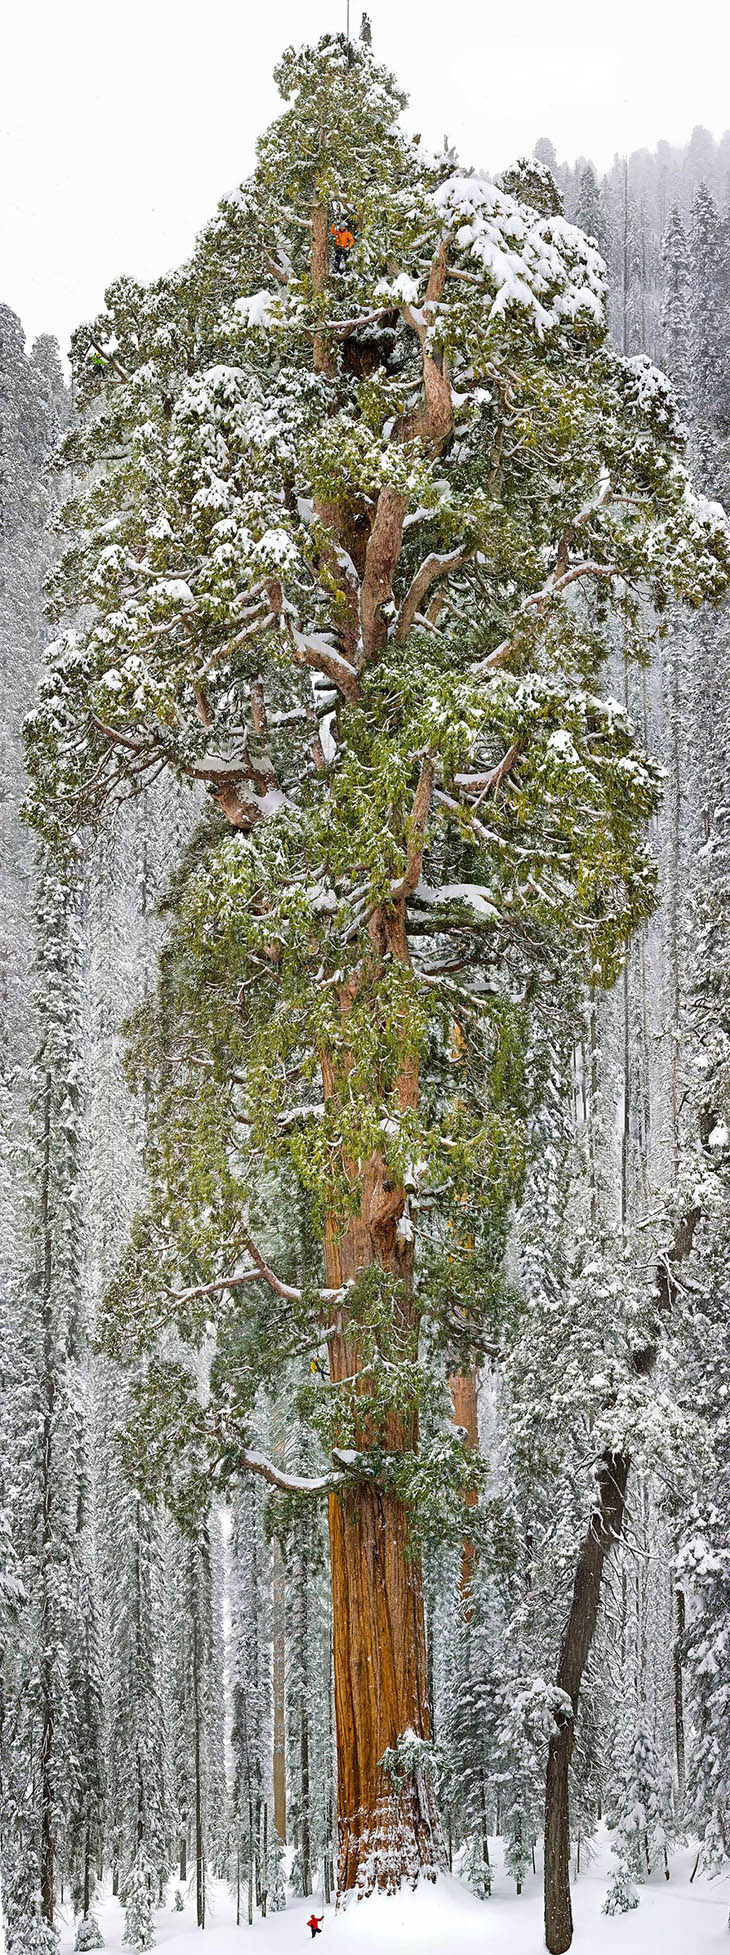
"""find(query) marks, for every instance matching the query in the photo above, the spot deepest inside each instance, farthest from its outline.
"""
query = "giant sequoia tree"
(347, 555)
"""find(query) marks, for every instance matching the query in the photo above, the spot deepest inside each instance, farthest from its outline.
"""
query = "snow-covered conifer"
(369, 527)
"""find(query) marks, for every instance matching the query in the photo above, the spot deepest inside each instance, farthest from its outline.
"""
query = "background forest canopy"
(364, 1471)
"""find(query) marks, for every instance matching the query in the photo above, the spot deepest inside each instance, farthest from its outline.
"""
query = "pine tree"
(676, 306)
(275, 1876)
(587, 210)
(88, 1933)
(622, 1895)
(53, 1666)
(524, 1727)
(641, 1808)
(709, 337)
(138, 1897)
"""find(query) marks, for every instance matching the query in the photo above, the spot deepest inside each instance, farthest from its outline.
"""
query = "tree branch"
(433, 567)
(381, 557)
(291, 1482)
(482, 784)
(541, 601)
(417, 831)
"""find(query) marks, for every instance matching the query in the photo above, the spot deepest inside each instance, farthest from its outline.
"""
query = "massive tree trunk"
(603, 1531)
(388, 1831)
(385, 1833)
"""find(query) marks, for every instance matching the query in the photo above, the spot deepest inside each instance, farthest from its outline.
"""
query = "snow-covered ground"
(673, 1918)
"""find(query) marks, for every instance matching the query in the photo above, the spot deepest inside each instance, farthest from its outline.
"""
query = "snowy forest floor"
(673, 1918)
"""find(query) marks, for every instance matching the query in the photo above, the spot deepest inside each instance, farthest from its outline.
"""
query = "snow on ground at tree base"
(674, 1918)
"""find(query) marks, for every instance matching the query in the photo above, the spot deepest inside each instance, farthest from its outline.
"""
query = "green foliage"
(409, 1761)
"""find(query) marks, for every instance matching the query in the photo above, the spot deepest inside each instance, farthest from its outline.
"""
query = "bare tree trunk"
(250, 1861)
(265, 1862)
(47, 1843)
(603, 1531)
(199, 1842)
(279, 1692)
(319, 267)
(679, 1625)
(304, 1728)
(463, 1385)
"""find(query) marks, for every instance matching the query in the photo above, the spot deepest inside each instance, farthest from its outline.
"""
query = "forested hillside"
(365, 1040)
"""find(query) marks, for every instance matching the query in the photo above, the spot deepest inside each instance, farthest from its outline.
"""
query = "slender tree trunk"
(279, 1692)
(265, 1875)
(304, 1728)
(463, 1386)
(199, 1843)
(87, 1788)
(604, 1530)
(47, 1842)
(331, 1818)
(319, 266)
(679, 1627)
(485, 1825)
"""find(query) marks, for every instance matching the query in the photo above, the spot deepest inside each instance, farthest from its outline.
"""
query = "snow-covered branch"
(433, 568)
(541, 600)
(291, 1482)
(261, 1273)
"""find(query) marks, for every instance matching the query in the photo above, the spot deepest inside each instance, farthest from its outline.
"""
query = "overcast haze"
(119, 130)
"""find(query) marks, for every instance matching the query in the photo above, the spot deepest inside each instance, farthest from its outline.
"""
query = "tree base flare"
(398, 1845)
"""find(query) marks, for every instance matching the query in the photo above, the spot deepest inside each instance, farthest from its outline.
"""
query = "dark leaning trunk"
(601, 1535)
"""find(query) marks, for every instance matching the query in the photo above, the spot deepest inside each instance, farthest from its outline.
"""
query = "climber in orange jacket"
(313, 1923)
(344, 241)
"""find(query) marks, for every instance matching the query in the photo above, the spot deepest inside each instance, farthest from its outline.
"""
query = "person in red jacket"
(313, 1923)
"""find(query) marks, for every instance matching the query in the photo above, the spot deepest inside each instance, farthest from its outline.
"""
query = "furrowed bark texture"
(385, 1834)
(604, 1530)
(380, 1675)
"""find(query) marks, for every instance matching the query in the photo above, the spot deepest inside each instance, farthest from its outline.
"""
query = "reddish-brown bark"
(386, 1834)
(380, 1677)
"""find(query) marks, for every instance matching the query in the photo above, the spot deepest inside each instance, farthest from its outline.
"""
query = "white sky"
(121, 125)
